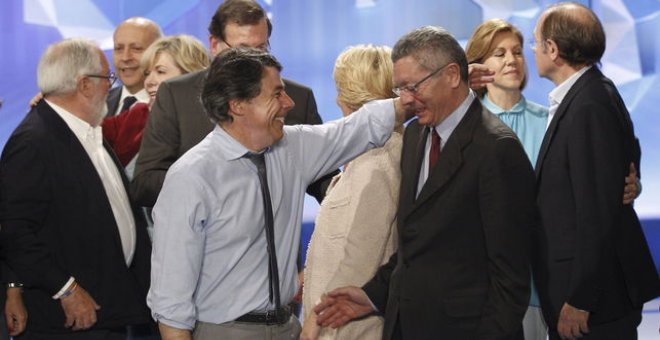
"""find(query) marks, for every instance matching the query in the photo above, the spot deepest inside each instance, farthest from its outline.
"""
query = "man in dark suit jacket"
(594, 270)
(178, 121)
(68, 228)
(461, 270)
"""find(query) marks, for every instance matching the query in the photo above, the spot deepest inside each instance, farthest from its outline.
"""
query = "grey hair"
(64, 62)
(432, 47)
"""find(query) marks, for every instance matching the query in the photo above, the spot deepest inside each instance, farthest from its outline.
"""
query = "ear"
(552, 49)
(453, 75)
(85, 86)
(236, 107)
(214, 45)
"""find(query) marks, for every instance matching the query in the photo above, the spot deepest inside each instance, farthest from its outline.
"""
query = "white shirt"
(556, 96)
(444, 130)
(91, 139)
(142, 96)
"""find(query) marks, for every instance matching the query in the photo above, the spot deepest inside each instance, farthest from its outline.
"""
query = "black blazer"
(462, 266)
(178, 121)
(592, 251)
(57, 222)
(114, 95)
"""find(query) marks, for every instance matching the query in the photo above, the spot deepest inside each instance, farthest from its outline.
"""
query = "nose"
(287, 102)
(406, 98)
(126, 54)
(509, 58)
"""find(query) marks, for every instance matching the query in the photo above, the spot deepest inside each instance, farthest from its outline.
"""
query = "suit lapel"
(561, 111)
(82, 164)
(450, 159)
(409, 183)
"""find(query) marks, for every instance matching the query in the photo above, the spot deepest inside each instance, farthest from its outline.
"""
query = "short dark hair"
(235, 73)
(241, 12)
(579, 37)
(431, 47)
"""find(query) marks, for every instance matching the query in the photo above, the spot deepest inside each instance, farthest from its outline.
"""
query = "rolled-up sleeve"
(178, 250)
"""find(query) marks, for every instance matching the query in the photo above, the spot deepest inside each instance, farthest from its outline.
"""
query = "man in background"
(131, 38)
(178, 122)
(594, 270)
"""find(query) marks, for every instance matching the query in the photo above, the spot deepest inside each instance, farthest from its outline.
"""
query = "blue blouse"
(527, 119)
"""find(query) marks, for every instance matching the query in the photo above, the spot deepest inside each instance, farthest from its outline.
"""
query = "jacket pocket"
(465, 306)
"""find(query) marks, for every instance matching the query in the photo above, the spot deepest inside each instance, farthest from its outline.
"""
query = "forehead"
(129, 33)
(163, 58)
(406, 69)
(271, 80)
(505, 38)
(247, 35)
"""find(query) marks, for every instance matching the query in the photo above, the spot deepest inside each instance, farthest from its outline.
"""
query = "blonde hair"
(363, 73)
(189, 54)
(479, 47)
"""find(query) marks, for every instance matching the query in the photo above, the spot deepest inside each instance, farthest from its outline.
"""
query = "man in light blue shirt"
(210, 259)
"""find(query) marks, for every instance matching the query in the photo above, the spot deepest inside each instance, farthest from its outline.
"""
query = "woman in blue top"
(499, 45)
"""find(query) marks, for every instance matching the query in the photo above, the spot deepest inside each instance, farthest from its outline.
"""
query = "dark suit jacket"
(593, 253)
(461, 270)
(178, 122)
(114, 95)
(57, 222)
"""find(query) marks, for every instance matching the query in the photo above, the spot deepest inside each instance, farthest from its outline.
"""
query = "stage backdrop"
(308, 35)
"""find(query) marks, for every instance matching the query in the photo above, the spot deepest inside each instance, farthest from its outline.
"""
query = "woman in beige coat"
(355, 229)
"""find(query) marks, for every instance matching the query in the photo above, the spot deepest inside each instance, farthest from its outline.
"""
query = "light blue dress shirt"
(209, 260)
(528, 120)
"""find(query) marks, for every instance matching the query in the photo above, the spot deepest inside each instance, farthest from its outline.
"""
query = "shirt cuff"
(66, 287)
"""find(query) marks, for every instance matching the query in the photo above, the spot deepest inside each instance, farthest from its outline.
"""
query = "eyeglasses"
(533, 44)
(264, 47)
(112, 78)
(412, 89)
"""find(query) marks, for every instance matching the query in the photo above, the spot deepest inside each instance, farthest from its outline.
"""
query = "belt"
(271, 317)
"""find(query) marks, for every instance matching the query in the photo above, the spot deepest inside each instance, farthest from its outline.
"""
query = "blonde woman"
(166, 58)
(355, 229)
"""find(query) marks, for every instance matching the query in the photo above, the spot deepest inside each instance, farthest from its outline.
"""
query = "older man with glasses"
(466, 209)
(79, 248)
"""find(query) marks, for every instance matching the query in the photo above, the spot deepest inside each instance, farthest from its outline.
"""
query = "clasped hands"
(336, 309)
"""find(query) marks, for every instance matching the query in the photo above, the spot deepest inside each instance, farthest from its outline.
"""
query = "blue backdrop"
(308, 35)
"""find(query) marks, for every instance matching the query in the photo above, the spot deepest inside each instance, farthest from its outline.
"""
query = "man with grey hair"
(228, 217)
(465, 212)
(68, 228)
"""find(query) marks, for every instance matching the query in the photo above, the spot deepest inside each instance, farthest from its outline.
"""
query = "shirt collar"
(231, 148)
(556, 96)
(80, 128)
(142, 96)
(519, 107)
(447, 126)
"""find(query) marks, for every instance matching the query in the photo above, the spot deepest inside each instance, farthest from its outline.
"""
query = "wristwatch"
(14, 285)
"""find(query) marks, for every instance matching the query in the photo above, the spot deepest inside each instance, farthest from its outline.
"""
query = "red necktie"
(434, 151)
